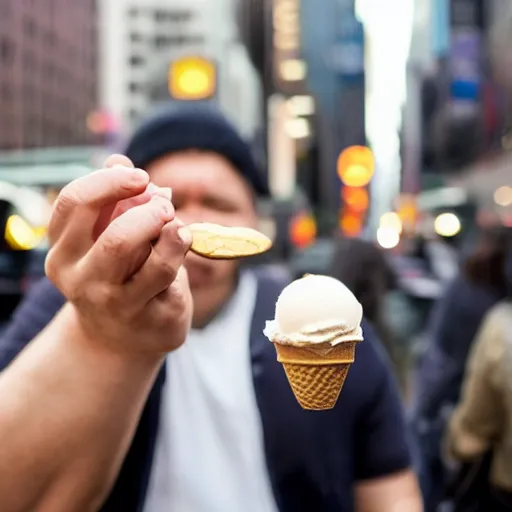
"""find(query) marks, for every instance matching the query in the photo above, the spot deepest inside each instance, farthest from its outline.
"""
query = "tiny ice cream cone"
(316, 374)
(316, 345)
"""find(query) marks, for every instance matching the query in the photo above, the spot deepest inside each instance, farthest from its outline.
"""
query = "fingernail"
(152, 188)
(139, 175)
(164, 192)
(125, 168)
(186, 235)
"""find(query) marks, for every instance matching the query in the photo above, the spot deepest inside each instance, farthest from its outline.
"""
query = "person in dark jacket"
(364, 269)
(110, 409)
(454, 324)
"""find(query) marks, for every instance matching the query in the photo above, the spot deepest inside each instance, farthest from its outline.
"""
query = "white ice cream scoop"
(315, 333)
(316, 302)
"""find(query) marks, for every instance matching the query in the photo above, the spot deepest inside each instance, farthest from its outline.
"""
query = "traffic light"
(355, 168)
(192, 78)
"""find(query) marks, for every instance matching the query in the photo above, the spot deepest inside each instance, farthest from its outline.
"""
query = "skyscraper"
(139, 39)
(48, 72)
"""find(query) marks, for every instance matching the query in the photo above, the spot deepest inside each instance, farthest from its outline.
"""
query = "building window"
(135, 87)
(176, 16)
(160, 16)
(161, 41)
(29, 27)
(136, 61)
(135, 37)
(179, 40)
(29, 62)
(6, 51)
(7, 92)
(50, 38)
(28, 95)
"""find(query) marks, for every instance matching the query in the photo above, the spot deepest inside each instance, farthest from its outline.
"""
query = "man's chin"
(200, 272)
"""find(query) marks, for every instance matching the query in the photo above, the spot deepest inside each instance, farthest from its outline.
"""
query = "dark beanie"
(198, 126)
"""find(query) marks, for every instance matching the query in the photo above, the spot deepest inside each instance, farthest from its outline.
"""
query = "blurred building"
(141, 39)
(333, 49)
(133, 33)
(47, 72)
(458, 110)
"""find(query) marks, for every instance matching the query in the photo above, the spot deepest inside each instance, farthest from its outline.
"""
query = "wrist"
(91, 345)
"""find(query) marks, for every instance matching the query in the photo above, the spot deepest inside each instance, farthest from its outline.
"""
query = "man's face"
(205, 188)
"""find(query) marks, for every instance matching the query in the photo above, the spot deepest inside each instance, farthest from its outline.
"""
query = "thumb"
(116, 159)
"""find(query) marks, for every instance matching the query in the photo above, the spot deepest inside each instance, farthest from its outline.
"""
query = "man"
(109, 410)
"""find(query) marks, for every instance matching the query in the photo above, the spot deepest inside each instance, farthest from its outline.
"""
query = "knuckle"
(172, 239)
(101, 294)
(63, 277)
(115, 242)
(66, 200)
(166, 267)
(156, 210)
(51, 266)
(171, 310)
(178, 299)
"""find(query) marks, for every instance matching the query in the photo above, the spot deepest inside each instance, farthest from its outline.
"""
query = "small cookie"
(226, 243)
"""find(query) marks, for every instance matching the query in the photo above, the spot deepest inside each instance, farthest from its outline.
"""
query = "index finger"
(91, 192)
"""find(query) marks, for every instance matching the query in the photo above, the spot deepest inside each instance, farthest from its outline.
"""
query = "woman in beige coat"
(482, 421)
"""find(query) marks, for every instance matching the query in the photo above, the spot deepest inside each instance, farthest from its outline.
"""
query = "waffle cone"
(316, 372)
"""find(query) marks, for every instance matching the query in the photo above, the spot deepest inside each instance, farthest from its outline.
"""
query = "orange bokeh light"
(355, 198)
(351, 224)
(408, 212)
(356, 166)
(303, 230)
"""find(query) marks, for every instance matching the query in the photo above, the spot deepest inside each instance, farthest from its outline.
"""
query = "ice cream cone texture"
(315, 333)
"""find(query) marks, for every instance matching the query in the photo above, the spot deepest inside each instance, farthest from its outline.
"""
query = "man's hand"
(393, 493)
(117, 254)
(71, 401)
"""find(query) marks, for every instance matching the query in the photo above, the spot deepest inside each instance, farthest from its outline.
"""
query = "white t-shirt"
(209, 452)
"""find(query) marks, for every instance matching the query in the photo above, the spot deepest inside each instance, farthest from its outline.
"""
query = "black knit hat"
(199, 126)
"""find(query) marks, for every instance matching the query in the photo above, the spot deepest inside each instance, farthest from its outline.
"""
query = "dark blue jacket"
(313, 458)
(452, 328)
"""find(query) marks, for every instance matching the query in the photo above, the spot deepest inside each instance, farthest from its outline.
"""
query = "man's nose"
(191, 214)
